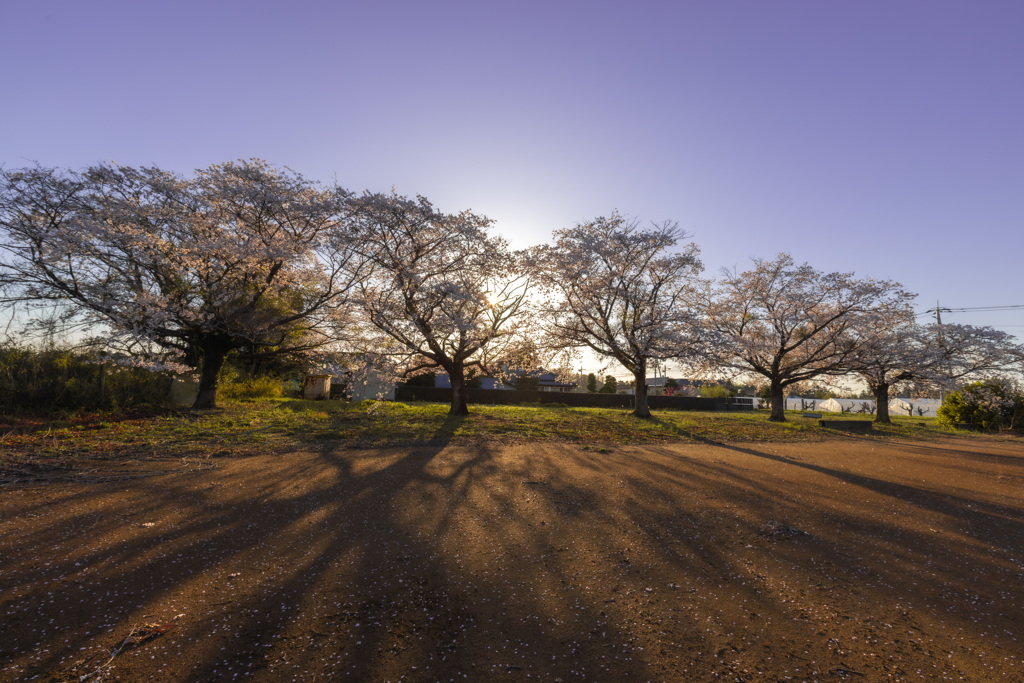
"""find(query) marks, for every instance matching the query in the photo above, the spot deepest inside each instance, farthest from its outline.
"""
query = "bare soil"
(851, 559)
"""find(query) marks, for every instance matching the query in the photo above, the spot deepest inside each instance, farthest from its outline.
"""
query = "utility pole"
(938, 327)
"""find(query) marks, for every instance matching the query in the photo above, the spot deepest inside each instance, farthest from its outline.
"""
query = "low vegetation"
(33, 380)
(270, 425)
(987, 405)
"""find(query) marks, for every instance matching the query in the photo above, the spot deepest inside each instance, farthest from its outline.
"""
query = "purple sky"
(886, 138)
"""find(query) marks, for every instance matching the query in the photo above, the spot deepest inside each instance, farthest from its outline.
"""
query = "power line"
(970, 309)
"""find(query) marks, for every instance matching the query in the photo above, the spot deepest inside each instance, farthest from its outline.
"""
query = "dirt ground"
(852, 559)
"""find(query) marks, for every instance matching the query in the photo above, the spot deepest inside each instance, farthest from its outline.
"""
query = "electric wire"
(971, 309)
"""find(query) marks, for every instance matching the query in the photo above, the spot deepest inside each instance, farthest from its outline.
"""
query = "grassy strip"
(244, 428)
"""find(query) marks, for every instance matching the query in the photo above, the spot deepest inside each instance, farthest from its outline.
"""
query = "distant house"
(656, 386)
(548, 381)
(684, 387)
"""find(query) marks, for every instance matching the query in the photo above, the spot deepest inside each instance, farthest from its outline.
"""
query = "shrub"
(991, 404)
(233, 386)
(715, 391)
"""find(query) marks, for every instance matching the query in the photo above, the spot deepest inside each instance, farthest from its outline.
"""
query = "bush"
(715, 391)
(232, 386)
(991, 404)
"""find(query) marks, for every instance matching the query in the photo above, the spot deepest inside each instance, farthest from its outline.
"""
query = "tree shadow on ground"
(434, 561)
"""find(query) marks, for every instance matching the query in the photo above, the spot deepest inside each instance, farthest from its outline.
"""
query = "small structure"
(847, 405)
(317, 387)
(742, 402)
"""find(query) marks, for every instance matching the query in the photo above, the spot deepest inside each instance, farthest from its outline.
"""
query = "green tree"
(990, 404)
(715, 391)
(592, 386)
(611, 385)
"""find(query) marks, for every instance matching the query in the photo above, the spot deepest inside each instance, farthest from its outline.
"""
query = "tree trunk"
(881, 392)
(778, 400)
(640, 408)
(215, 351)
(460, 396)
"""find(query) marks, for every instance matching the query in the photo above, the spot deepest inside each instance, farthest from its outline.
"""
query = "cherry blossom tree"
(893, 348)
(792, 323)
(896, 349)
(621, 291)
(441, 293)
(242, 255)
(971, 353)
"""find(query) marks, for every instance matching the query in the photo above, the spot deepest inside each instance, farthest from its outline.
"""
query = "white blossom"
(242, 255)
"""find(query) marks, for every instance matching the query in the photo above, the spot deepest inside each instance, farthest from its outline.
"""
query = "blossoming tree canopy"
(892, 348)
(440, 292)
(241, 254)
(972, 353)
(792, 323)
(623, 291)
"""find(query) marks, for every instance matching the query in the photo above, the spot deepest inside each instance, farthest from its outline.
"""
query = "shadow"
(436, 561)
(305, 406)
(443, 436)
(977, 512)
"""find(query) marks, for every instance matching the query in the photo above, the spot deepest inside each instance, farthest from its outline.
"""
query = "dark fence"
(506, 397)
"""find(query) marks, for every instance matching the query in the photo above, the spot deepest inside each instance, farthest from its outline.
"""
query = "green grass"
(268, 425)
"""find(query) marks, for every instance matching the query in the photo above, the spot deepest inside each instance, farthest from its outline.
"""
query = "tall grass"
(33, 381)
